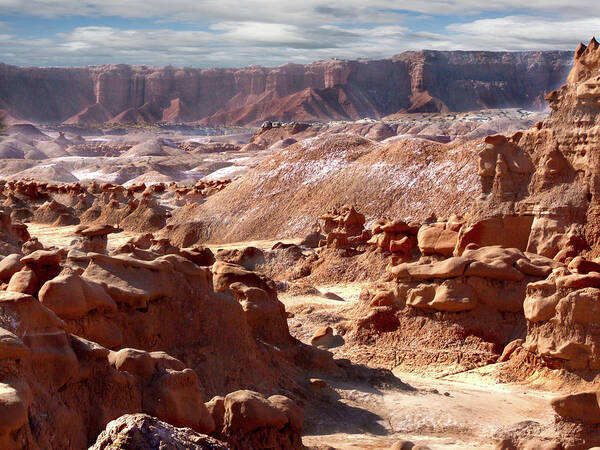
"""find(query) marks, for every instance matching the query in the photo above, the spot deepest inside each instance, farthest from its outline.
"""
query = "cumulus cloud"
(524, 33)
(229, 33)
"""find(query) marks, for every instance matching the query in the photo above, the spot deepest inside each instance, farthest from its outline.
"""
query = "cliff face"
(552, 171)
(324, 90)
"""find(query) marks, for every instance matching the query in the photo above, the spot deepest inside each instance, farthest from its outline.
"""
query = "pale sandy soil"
(348, 292)
(50, 235)
(464, 412)
(62, 236)
(263, 245)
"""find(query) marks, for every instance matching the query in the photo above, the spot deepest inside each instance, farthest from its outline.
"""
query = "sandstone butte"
(156, 341)
(425, 81)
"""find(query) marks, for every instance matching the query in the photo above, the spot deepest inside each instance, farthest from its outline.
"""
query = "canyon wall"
(422, 81)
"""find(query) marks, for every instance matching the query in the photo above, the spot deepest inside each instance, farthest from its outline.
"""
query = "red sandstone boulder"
(293, 412)
(449, 268)
(43, 258)
(143, 241)
(9, 266)
(507, 231)
(14, 406)
(322, 337)
(43, 333)
(31, 246)
(24, 281)
(224, 274)
(71, 297)
(203, 256)
(434, 239)
(581, 407)
(216, 409)
(170, 391)
(44, 263)
(581, 265)
(265, 314)
(247, 411)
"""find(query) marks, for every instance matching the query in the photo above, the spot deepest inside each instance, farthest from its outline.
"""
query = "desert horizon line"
(267, 66)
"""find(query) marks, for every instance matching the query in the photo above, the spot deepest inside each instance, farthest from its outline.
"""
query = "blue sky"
(228, 33)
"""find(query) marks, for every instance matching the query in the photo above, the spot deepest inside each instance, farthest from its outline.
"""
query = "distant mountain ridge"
(423, 81)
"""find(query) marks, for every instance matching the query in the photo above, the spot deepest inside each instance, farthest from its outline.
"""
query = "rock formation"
(83, 341)
(516, 280)
(398, 237)
(525, 236)
(136, 208)
(548, 172)
(326, 90)
(94, 238)
(134, 339)
(344, 228)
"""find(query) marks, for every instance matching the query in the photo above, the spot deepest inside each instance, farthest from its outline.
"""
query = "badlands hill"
(285, 195)
(425, 81)
(410, 167)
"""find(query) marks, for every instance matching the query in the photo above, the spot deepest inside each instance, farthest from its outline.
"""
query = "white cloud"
(257, 33)
(524, 33)
(226, 44)
(288, 12)
(230, 33)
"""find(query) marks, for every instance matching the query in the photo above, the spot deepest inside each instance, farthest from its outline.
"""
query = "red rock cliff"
(324, 90)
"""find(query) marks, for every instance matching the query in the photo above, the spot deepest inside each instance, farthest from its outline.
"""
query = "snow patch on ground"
(226, 172)
(102, 139)
(316, 171)
(72, 158)
(88, 174)
(146, 182)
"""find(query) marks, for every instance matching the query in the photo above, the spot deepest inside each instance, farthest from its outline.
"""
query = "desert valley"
(397, 253)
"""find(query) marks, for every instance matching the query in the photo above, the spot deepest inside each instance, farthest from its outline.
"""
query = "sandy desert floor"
(462, 410)
(465, 411)
(50, 235)
(458, 411)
